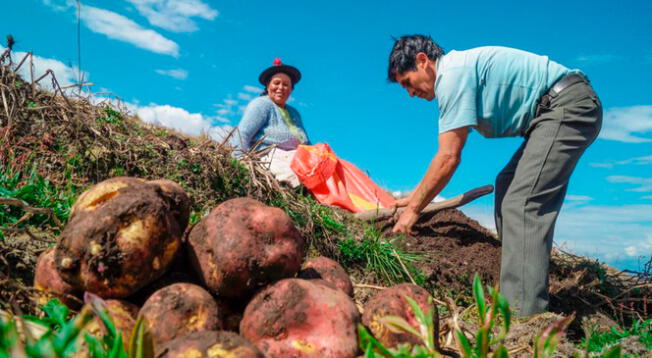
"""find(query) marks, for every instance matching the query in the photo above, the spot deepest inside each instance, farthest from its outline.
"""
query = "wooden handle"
(453, 202)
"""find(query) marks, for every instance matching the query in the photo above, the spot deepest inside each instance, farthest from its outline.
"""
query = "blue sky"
(193, 65)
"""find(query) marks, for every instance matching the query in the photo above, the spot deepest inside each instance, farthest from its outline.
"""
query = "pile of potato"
(252, 294)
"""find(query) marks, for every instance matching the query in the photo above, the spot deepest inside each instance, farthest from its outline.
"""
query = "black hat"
(291, 71)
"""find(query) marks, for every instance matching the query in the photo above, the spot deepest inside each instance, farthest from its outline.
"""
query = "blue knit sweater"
(263, 118)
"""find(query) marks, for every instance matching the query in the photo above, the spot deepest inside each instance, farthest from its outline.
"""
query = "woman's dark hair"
(404, 53)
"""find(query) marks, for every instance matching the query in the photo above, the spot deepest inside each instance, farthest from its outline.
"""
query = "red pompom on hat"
(278, 67)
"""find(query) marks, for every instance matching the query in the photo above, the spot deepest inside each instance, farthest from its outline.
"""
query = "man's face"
(420, 82)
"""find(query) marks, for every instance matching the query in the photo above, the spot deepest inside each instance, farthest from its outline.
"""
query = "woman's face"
(279, 88)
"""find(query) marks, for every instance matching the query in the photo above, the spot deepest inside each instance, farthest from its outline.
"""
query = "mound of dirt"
(456, 248)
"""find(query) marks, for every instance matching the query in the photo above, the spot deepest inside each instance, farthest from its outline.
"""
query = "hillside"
(53, 147)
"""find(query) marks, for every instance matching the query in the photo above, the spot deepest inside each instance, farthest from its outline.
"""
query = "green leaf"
(56, 311)
(501, 352)
(366, 340)
(614, 352)
(478, 293)
(464, 344)
(141, 344)
(398, 324)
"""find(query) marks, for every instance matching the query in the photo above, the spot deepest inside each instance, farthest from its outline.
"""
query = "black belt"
(557, 88)
(565, 82)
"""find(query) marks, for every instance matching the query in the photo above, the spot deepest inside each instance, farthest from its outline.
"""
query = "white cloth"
(279, 166)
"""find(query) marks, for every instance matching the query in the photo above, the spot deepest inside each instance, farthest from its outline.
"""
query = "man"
(503, 92)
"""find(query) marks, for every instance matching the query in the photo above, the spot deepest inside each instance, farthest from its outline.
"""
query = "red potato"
(324, 268)
(122, 313)
(243, 245)
(122, 234)
(48, 280)
(209, 344)
(392, 302)
(302, 318)
(179, 309)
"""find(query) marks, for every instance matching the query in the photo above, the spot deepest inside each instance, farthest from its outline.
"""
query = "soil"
(456, 248)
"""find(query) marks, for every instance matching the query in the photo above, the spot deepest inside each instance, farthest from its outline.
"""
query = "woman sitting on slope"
(270, 117)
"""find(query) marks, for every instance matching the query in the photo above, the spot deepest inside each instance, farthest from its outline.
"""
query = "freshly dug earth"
(179, 309)
(302, 318)
(457, 247)
(326, 269)
(122, 234)
(392, 302)
(209, 344)
(243, 245)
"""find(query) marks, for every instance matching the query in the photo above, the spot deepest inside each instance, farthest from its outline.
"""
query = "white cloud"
(118, 27)
(608, 232)
(636, 161)
(571, 197)
(253, 89)
(628, 124)
(66, 75)
(647, 197)
(245, 96)
(181, 120)
(644, 184)
(174, 15)
(178, 73)
(121, 28)
(602, 58)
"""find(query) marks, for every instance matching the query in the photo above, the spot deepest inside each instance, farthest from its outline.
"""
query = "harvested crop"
(209, 344)
(392, 302)
(122, 234)
(123, 315)
(243, 245)
(48, 280)
(302, 318)
(179, 309)
(324, 268)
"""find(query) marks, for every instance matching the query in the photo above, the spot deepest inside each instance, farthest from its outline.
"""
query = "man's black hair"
(404, 53)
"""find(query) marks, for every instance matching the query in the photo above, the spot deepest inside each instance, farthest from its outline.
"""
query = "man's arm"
(439, 172)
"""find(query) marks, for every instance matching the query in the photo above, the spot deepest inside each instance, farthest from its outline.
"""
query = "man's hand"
(405, 222)
(401, 202)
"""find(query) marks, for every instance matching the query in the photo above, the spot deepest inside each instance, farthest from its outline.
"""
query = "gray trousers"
(531, 188)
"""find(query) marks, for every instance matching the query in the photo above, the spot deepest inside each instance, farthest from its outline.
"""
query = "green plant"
(497, 312)
(598, 341)
(382, 256)
(425, 332)
(49, 204)
(62, 335)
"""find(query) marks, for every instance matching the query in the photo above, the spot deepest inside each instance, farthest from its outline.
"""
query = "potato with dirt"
(48, 280)
(243, 245)
(392, 302)
(123, 315)
(302, 318)
(209, 344)
(123, 233)
(180, 309)
(324, 268)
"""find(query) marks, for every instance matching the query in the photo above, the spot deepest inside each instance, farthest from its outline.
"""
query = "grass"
(599, 341)
(32, 189)
(382, 256)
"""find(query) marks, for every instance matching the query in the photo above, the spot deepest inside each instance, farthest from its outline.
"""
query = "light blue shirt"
(493, 89)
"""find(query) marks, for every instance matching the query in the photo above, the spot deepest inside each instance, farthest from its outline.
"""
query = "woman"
(270, 117)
